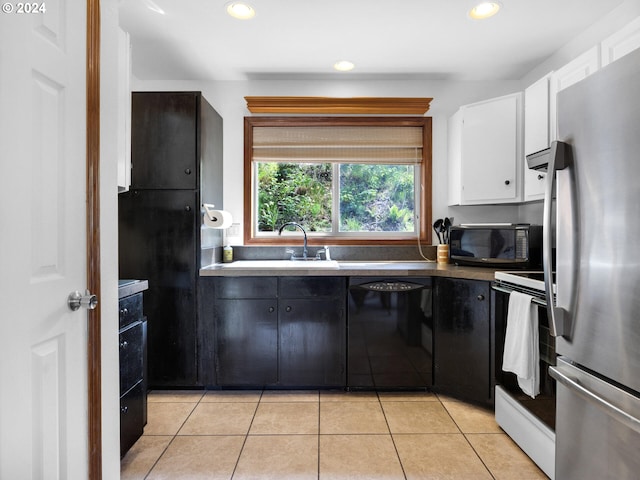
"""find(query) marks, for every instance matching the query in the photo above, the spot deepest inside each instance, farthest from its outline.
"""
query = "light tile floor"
(321, 435)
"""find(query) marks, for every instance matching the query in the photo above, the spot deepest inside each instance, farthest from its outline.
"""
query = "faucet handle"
(325, 250)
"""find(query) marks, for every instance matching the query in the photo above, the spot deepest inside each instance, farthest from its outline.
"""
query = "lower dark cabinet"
(247, 341)
(463, 345)
(132, 406)
(132, 359)
(312, 338)
(279, 332)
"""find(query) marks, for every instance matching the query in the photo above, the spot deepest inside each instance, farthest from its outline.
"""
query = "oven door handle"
(498, 288)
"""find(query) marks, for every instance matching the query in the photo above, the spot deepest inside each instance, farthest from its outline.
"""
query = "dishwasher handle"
(390, 286)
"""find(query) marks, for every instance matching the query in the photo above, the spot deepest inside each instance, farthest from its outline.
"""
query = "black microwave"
(496, 245)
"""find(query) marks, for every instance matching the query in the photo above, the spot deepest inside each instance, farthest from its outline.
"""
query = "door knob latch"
(77, 300)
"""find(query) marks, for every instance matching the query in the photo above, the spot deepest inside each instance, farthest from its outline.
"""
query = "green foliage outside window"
(373, 198)
(291, 192)
(376, 198)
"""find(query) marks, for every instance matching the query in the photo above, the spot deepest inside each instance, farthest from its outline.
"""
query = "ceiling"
(301, 39)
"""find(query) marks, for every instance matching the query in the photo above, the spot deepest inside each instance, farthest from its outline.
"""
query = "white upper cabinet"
(536, 134)
(485, 152)
(574, 71)
(124, 111)
(626, 40)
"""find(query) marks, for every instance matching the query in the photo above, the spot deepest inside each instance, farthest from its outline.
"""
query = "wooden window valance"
(334, 105)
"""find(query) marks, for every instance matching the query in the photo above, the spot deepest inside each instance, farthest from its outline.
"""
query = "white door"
(43, 352)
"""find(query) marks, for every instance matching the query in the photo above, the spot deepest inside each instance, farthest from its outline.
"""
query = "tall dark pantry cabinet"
(176, 157)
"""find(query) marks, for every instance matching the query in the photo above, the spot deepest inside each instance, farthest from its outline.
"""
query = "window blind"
(395, 145)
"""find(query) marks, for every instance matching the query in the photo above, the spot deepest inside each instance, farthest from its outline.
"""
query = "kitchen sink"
(281, 265)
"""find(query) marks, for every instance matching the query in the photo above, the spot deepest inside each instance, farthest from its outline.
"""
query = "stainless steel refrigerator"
(596, 313)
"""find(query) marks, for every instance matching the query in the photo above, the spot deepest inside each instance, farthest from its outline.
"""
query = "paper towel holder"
(211, 216)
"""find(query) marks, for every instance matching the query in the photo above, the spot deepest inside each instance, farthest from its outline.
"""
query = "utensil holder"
(443, 254)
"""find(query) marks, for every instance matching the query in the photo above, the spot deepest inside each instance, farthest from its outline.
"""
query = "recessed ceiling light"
(153, 7)
(343, 66)
(243, 11)
(484, 10)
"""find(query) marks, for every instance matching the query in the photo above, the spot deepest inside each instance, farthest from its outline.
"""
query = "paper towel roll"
(217, 218)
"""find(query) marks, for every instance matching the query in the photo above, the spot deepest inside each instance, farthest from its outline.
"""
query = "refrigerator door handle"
(574, 384)
(559, 159)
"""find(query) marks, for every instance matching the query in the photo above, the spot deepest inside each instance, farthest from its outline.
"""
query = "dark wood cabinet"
(247, 341)
(312, 331)
(132, 359)
(158, 231)
(171, 133)
(279, 332)
(463, 339)
(176, 166)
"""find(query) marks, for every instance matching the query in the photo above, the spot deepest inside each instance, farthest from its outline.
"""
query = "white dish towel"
(521, 348)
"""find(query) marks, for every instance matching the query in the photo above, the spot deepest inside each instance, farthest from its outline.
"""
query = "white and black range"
(530, 422)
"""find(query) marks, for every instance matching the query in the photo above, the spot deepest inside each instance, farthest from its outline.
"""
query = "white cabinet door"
(574, 71)
(490, 152)
(455, 154)
(536, 134)
(124, 111)
(626, 40)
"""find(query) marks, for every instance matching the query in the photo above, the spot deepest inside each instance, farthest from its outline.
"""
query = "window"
(344, 179)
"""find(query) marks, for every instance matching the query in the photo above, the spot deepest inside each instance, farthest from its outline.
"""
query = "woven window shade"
(357, 144)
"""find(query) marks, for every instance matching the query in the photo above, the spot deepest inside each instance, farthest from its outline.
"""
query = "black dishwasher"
(390, 334)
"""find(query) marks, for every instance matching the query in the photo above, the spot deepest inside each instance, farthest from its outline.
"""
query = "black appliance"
(390, 333)
(530, 422)
(176, 150)
(496, 245)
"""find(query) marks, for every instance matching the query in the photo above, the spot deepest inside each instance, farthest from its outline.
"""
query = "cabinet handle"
(480, 297)
(272, 309)
(124, 409)
(507, 182)
(187, 171)
(124, 311)
(124, 344)
(540, 177)
(288, 309)
(187, 208)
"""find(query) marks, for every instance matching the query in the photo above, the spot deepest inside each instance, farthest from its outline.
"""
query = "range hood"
(558, 154)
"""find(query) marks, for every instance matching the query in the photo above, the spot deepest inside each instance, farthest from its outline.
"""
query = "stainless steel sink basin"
(281, 265)
(383, 264)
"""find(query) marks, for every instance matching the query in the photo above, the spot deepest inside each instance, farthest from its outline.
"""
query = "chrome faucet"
(304, 250)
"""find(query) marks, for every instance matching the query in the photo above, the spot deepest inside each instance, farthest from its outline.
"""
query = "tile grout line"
(395, 447)
(464, 435)
(246, 436)
(318, 436)
(173, 437)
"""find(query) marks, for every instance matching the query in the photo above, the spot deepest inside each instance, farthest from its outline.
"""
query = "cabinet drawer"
(131, 417)
(130, 309)
(131, 356)
(295, 287)
(246, 287)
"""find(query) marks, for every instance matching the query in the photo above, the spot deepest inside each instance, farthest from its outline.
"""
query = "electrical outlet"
(234, 230)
